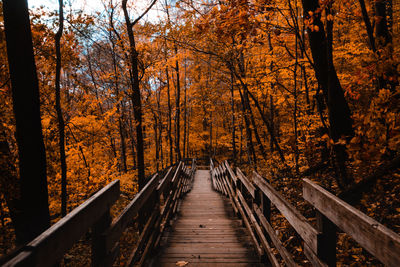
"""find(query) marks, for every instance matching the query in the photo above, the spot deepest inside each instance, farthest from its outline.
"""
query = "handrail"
(158, 200)
(48, 248)
(252, 200)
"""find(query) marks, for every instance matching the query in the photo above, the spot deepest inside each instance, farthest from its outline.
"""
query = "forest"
(292, 89)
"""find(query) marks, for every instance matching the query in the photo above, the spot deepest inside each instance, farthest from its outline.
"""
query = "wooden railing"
(156, 203)
(252, 199)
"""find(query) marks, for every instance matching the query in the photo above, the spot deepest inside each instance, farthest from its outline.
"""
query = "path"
(206, 233)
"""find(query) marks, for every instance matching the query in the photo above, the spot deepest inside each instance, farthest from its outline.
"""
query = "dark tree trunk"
(249, 135)
(384, 43)
(188, 135)
(136, 97)
(210, 149)
(338, 109)
(253, 122)
(185, 114)
(368, 25)
(171, 159)
(271, 120)
(177, 111)
(241, 141)
(381, 27)
(26, 105)
(233, 121)
(9, 187)
(268, 125)
(295, 95)
(155, 129)
(60, 118)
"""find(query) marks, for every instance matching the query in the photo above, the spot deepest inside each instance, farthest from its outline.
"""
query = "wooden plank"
(271, 233)
(110, 258)
(192, 260)
(326, 249)
(222, 180)
(231, 192)
(119, 224)
(380, 241)
(265, 203)
(267, 247)
(231, 173)
(315, 261)
(51, 245)
(212, 264)
(204, 229)
(165, 181)
(217, 183)
(143, 239)
(248, 225)
(99, 251)
(177, 172)
(249, 186)
(175, 197)
(307, 232)
(210, 256)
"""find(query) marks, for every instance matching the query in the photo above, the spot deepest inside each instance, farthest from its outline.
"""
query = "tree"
(34, 205)
(60, 118)
(136, 95)
(338, 108)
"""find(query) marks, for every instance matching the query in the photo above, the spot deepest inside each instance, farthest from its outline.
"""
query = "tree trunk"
(171, 159)
(60, 118)
(184, 115)
(155, 129)
(338, 110)
(26, 105)
(233, 121)
(177, 110)
(136, 97)
(9, 187)
(368, 25)
(249, 136)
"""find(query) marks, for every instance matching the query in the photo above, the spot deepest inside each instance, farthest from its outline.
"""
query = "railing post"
(99, 251)
(326, 242)
(265, 206)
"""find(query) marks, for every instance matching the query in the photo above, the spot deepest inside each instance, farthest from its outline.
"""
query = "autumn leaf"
(181, 263)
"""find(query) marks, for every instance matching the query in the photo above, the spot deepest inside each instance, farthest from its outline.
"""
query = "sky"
(91, 6)
(88, 5)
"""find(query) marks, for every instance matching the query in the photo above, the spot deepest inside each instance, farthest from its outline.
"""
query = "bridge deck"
(206, 233)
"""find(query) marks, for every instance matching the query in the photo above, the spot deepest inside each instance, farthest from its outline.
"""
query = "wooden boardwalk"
(206, 233)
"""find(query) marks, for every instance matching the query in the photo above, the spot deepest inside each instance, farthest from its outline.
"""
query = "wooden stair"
(206, 233)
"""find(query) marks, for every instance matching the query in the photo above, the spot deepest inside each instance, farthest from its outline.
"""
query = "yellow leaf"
(181, 263)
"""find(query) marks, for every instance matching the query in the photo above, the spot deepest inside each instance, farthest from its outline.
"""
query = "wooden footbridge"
(209, 216)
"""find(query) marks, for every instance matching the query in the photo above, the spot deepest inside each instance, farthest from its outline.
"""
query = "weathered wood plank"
(231, 173)
(286, 256)
(380, 241)
(119, 224)
(243, 179)
(264, 242)
(204, 229)
(99, 251)
(143, 239)
(312, 257)
(299, 222)
(248, 225)
(51, 245)
(164, 182)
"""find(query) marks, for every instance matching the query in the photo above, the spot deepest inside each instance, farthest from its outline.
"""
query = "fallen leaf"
(181, 263)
